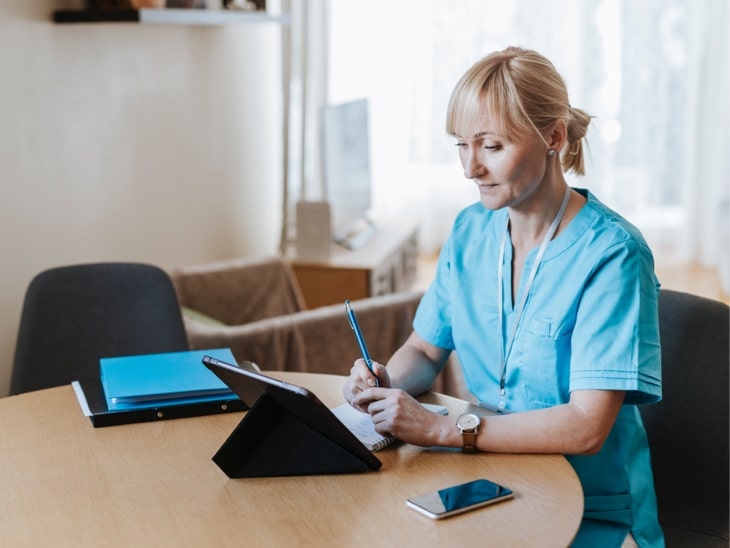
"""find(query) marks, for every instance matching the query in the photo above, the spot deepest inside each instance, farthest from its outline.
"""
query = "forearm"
(415, 365)
(578, 427)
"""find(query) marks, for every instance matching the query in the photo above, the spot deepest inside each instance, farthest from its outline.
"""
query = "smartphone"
(459, 498)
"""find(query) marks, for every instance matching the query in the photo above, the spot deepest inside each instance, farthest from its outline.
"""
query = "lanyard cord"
(505, 353)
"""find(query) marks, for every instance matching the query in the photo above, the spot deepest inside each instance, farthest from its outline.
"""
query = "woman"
(549, 299)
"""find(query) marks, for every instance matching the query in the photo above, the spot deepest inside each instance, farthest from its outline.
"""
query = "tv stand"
(385, 263)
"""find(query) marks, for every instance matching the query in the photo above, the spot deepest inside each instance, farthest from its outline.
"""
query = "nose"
(472, 162)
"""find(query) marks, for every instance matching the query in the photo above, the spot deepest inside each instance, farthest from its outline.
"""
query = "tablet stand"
(271, 441)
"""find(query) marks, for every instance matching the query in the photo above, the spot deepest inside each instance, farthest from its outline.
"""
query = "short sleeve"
(433, 321)
(615, 343)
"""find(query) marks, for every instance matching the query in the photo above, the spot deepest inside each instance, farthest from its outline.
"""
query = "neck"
(528, 225)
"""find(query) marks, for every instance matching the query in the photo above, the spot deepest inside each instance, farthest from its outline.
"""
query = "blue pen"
(360, 340)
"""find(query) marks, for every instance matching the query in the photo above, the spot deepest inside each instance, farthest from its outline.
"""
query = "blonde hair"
(524, 91)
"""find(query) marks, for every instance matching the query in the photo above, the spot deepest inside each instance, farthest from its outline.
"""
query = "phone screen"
(459, 498)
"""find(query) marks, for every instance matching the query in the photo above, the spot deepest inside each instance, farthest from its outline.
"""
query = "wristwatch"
(468, 424)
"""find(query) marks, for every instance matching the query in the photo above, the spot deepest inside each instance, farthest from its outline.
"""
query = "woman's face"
(507, 172)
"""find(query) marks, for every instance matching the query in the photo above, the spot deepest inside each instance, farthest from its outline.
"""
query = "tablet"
(288, 430)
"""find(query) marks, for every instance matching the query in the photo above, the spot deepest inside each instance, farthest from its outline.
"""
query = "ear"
(557, 137)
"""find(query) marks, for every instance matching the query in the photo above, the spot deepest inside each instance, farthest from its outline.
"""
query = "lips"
(486, 186)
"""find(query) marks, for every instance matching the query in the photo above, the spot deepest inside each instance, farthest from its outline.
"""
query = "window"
(632, 65)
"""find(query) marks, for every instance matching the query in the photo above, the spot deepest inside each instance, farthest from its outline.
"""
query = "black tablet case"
(287, 432)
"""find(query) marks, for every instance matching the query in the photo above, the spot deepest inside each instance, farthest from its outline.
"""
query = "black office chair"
(74, 315)
(688, 429)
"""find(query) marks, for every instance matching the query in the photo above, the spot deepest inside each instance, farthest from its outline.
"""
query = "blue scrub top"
(590, 322)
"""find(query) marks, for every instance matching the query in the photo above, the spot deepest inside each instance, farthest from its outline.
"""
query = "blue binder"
(157, 380)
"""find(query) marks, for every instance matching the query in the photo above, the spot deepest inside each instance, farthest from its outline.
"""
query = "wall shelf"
(169, 16)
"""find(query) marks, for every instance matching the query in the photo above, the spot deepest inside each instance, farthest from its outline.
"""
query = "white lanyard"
(505, 353)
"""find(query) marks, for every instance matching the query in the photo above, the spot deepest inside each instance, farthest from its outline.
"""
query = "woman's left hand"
(397, 413)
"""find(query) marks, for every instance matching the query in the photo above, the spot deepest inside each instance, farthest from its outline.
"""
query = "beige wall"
(132, 142)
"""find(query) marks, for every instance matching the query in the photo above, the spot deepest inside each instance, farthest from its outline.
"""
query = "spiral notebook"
(361, 425)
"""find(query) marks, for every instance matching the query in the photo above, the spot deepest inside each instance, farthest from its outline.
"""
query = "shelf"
(169, 16)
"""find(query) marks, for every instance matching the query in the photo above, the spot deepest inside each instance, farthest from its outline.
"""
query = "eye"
(460, 145)
(491, 147)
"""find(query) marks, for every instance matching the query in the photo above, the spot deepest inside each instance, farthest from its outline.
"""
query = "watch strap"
(470, 441)
(469, 434)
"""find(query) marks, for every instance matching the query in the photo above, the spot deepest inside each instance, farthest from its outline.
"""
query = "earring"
(551, 152)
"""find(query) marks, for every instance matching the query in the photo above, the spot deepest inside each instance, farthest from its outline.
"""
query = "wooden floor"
(696, 279)
(690, 278)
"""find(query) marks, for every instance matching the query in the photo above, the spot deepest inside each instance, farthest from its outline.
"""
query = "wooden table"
(63, 482)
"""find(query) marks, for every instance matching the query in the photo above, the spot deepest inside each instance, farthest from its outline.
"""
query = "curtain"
(304, 80)
(707, 191)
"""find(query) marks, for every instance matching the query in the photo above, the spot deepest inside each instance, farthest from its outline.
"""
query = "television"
(345, 146)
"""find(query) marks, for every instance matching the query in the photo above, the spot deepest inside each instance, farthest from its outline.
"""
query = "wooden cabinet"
(385, 264)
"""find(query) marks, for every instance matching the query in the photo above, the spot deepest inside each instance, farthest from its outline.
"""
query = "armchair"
(255, 308)
(688, 429)
(236, 291)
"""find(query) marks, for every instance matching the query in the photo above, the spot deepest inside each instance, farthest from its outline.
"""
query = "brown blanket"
(255, 308)
(239, 291)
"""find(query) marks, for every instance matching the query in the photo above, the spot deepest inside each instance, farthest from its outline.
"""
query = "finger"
(361, 375)
(366, 397)
(355, 384)
(381, 373)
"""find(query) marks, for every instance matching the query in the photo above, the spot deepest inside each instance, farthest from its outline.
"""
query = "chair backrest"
(688, 429)
(74, 315)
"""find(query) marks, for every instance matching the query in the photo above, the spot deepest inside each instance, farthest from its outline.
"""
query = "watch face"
(468, 421)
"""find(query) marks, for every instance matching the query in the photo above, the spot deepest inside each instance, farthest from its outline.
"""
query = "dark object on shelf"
(96, 16)
(108, 5)
(192, 4)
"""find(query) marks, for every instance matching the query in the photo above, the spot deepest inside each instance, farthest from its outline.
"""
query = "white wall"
(127, 142)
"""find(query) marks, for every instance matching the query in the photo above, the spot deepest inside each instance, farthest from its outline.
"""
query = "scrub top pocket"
(539, 353)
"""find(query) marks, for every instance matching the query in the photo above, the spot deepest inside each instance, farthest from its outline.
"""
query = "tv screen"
(346, 168)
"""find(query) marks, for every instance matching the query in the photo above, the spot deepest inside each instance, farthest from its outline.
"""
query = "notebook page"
(362, 426)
